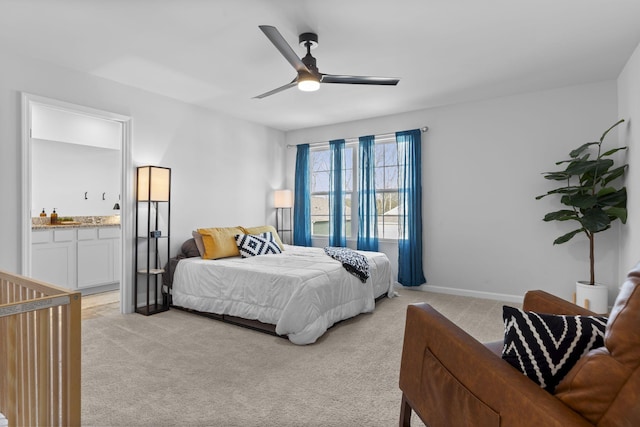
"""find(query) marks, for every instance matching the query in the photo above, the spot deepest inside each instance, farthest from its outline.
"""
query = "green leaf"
(607, 131)
(606, 190)
(584, 157)
(566, 190)
(556, 176)
(557, 191)
(613, 174)
(575, 153)
(595, 220)
(561, 215)
(613, 198)
(565, 238)
(582, 201)
(620, 213)
(613, 150)
(563, 190)
(586, 167)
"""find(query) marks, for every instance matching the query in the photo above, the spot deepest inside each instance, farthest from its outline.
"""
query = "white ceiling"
(211, 52)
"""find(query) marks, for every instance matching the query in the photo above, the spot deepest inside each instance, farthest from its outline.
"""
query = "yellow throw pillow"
(220, 242)
(264, 229)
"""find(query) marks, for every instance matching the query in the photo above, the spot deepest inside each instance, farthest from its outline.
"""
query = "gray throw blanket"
(354, 262)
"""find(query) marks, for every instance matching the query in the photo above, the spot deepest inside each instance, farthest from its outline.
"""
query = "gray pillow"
(189, 249)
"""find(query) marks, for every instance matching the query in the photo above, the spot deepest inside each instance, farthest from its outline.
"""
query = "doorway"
(33, 103)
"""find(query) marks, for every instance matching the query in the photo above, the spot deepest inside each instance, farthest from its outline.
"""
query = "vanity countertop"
(81, 225)
(44, 223)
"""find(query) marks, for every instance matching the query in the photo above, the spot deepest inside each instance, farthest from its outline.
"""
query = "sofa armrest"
(449, 378)
(544, 302)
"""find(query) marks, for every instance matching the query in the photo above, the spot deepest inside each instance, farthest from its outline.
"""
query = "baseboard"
(465, 293)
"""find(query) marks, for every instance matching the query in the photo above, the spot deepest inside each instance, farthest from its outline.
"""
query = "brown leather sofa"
(450, 379)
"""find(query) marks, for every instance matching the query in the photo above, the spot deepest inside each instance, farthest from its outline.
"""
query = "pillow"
(199, 243)
(264, 229)
(251, 245)
(219, 242)
(546, 346)
(190, 249)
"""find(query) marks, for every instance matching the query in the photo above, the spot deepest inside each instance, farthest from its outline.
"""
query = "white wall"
(224, 169)
(629, 108)
(482, 165)
(63, 174)
(64, 126)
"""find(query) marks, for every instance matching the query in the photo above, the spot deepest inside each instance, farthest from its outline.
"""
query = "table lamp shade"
(154, 183)
(283, 199)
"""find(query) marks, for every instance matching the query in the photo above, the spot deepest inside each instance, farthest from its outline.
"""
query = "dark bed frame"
(256, 325)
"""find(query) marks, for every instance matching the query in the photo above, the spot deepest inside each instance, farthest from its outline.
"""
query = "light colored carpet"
(179, 369)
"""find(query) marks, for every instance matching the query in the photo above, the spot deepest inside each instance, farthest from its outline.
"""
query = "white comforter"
(302, 291)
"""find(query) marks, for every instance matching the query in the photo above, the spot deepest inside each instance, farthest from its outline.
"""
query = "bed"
(299, 293)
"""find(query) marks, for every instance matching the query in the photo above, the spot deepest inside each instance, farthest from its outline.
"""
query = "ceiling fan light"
(308, 83)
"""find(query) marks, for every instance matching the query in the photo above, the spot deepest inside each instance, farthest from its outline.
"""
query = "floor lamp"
(283, 201)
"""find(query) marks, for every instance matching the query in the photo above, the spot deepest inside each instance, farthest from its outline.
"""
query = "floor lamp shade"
(154, 183)
(283, 199)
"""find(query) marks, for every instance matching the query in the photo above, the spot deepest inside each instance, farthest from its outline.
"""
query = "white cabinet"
(53, 257)
(76, 258)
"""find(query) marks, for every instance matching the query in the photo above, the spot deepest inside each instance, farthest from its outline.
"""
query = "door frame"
(126, 179)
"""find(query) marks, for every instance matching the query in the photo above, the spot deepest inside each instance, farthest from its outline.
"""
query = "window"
(320, 161)
(386, 178)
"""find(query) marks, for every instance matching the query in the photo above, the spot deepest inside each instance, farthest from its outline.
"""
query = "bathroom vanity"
(83, 256)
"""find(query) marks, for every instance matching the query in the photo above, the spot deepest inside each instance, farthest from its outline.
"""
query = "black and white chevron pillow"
(545, 346)
(257, 244)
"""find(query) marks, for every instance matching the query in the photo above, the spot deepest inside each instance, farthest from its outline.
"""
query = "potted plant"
(589, 197)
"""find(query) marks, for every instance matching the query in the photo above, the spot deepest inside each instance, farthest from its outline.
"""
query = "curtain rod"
(423, 129)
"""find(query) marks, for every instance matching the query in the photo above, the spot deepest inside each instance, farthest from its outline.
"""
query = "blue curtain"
(302, 199)
(367, 212)
(337, 229)
(410, 271)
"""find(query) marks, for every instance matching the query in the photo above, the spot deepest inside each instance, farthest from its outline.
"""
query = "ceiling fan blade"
(274, 91)
(359, 80)
(281, 44)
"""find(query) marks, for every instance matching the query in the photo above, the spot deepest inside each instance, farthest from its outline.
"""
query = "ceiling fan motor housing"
(311, 38)
(309, 41)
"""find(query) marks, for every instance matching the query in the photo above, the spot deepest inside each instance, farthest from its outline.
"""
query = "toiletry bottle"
(43, 214)
(54, 216)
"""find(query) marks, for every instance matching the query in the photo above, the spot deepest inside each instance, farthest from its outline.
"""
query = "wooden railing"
(39, 353)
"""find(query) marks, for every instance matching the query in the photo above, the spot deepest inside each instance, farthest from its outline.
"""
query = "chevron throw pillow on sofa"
(546, 346)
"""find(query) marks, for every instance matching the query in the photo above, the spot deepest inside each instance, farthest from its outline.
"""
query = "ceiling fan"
(309, 78)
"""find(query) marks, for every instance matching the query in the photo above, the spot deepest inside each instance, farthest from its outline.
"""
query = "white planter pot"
(592, 297)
